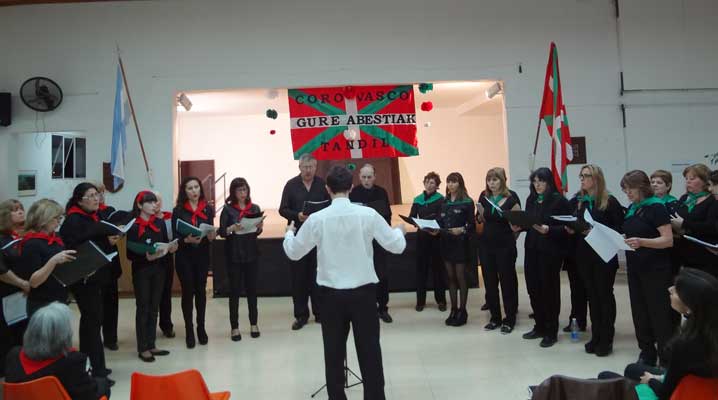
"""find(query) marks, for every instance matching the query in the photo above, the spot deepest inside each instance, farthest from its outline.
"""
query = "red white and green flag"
(553, 114)
(337, 123)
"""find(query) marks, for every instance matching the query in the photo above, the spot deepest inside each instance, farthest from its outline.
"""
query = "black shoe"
(532, 335)
(111, 346)
(442, 307)
(651, 362)
(506, 329)
(102, 374)
(160, 352)
(492, 325)
(298, 324)
(237, 337)
(452, 317)
(317, 319)
(567, 328)
(253, 333)
(146, 359)
(384, 315)
(605, 350)
(485, 307)
(419, 307)
(548, 341)
(189, 337)
(531, 315)
(110, 382)
(168, 333)
(202, 337)
(590, 347)
(461, 317)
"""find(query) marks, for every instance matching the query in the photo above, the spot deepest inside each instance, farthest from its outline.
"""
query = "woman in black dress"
(192, 258)
(241, 253)
(457, 223)
(545, 248)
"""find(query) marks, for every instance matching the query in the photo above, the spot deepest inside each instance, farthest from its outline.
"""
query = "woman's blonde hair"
(701, 171)
(599, 182)
(7, 207)
(41, 213)
(500, 174)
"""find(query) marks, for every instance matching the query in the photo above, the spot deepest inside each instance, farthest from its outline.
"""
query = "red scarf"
(31, 366)
(242, 211)
(15, 235)
(166, 215)
(146, 224)
(78, 210)
(102, 207)
(198, 212)
(51, 239)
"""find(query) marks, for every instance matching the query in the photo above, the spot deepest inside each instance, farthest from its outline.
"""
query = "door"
(386, 170)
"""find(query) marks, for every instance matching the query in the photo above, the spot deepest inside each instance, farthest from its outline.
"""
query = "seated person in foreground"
(47, 351)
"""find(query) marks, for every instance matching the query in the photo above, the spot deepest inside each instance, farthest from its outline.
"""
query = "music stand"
(347, 371)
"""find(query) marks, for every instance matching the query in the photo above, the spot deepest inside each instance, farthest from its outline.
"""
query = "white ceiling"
(468, 97)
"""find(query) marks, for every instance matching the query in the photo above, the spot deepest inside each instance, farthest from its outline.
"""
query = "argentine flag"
(119, 135)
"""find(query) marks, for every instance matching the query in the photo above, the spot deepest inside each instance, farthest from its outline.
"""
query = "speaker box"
(5, 109)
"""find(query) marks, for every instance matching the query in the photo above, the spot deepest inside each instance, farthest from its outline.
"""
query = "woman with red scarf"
(241, 253)
(192, 261)
(148, 274)
(81, 225)
(168, 263)
(40, 251)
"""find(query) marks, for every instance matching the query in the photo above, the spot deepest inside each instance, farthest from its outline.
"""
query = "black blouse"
(149, 236)
(458, 214)
(701, 223)
(644, 224)
(497, 231)
(77, 229)
(34, 254)
(238, 248)
(555, 241)
(612, 217)
(180, 212)
(295, 194)
(426, 207)
(360, 194)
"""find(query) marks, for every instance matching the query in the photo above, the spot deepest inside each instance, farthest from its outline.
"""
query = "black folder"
(408, 220)
(88, 259)
(578, 226)
(106, 228)
(311, 207)
(119, 217)
(522, 219)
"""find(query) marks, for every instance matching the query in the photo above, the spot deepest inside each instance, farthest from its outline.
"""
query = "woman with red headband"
(192, 261)
(81, 225)
(148, 273)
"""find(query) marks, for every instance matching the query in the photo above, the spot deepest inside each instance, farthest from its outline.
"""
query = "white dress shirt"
(343, 234)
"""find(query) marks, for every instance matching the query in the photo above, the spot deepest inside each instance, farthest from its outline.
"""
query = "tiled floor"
(423, 359)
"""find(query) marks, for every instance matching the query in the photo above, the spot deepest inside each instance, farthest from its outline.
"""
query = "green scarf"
(420, 199)
(495, 200)
(587, 199)
(668, 199)
(693, 199)
(539, 198)
(633, 209)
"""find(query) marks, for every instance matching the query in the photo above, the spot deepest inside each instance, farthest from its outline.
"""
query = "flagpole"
(134, 117)
(533, 158)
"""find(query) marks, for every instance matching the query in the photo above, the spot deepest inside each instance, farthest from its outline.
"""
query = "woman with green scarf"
(662, 183)
(697, 216)
(647, 228)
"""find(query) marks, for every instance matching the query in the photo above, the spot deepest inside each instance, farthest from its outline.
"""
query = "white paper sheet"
(14, 307)
(605, 241)
(249, 225)
(427, 223)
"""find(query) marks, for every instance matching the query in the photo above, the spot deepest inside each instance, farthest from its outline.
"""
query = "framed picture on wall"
(26, 181)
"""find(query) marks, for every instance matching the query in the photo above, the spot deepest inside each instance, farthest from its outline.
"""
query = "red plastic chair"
(45, 388)
(185, 385)
(692, 387)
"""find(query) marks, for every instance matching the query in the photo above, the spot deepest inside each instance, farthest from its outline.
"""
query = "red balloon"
(272, 132)
(427, 106)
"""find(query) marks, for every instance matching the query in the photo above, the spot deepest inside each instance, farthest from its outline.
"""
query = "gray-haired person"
(48, 351)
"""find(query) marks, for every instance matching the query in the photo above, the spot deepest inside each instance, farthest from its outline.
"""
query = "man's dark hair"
(339, 179)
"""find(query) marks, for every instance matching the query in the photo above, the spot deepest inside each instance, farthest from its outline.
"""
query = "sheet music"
(14, 308)
(696, 240)
(249, 225)
(605, 241)
(426, 223)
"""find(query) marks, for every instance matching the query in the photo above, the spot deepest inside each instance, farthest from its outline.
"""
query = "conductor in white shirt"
(343, 234)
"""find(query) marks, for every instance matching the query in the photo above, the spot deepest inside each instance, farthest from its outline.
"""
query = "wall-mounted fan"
(41, 94)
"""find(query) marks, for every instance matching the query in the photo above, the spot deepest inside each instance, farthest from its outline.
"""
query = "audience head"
(432, 182)
(43, 216)
(697, 178)
(542, 183)
(85, 196)
(49, 333)
(496, 182)
(455, 184)
(239, 191)
(145, 202)
(339, 180)
(159, 202)
(307, 166)
(636, 186)
(594, 183)
(12, 216)
(367, 176)
(713, 182)
(100, 191)
(661, 182)
(190, 190)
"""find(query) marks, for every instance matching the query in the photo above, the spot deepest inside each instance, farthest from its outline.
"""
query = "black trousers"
(355, 308)
(304, 286)
(240, 274)
(499, 268)
(380, 267)
(650, 307)
(148, 283)
(543, 283)
(428, 258)
(192, 269)
(110, 311)
(89, 301)
(579, 297)
(598, 279)
(166, 299)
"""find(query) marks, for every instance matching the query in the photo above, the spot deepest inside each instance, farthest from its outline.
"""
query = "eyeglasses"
(91, 196)
(584, 176)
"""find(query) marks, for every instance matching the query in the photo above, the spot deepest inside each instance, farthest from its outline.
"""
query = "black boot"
(202, 335)
(452, 317)
(189, 336)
